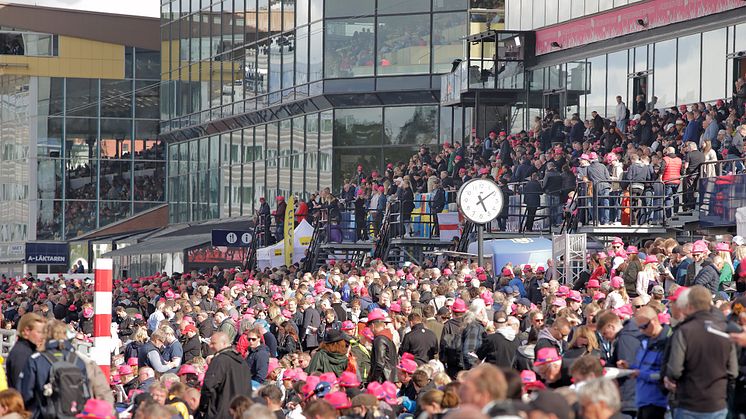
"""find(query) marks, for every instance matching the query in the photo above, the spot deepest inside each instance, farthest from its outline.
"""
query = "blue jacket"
(692, 131)
(517, 282)
(649, 361)
(36, 374)
(626, 345)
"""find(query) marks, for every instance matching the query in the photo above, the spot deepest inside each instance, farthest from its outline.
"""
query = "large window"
(349, 48)
(341, 8)
(616, 79)
(596, 97)
(398, 6)
(449, 30)
(714, 64)
(410, 125)
(664, 86)
(688, 69)
(403, 44)
(353, 127)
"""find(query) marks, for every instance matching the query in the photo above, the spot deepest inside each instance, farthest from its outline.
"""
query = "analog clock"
(480, 200)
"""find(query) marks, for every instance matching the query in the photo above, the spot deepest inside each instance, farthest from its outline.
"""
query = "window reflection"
(347, 160)
(111, 211)
(349, 48)
(688, 69)
(403, 44)
(149, 181)
(341, 8)
(80, 179)
(449, 29)
(410, 125)
(79, 217)
(397, 6)
(665, 70)
(116, 176)
(357, 126)
(49, 220)
(49, 178)
(713, 55)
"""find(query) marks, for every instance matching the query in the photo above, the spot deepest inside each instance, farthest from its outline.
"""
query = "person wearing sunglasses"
(651, 401)
(258, 357)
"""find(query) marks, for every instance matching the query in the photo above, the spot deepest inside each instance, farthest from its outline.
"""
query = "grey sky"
(130, 7)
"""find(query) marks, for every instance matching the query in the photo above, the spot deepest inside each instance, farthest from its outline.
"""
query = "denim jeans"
(602, 206)
(672, 201)
(688, 414)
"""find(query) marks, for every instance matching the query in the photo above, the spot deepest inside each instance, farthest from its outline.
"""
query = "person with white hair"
(599, 399)
(475, 322)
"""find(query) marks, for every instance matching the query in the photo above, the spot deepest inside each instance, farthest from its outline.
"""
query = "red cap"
(675, 296)
(592, 283)
(190, 328)
(377, 315)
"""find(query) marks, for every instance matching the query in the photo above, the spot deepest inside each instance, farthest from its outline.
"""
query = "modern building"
(276, 97)
(79, 147)
(671, 52)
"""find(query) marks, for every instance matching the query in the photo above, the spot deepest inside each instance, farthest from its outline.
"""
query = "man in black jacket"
(500, 348)
(190, 343)
(699, 363)
(30, 337)
(383, 357)
(420, 342)
(437, 204)
(226, 377)
(532, 199)
(709, 275)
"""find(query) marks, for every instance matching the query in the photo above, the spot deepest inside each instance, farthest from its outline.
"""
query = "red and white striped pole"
(102, 301)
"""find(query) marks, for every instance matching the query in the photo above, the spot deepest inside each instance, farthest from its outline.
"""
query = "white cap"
(739, 240)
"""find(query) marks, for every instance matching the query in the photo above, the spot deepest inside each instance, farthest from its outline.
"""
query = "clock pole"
(480, 245)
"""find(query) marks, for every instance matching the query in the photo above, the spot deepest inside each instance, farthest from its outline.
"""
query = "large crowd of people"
(647, 330)
(652, 331)
(632, 168)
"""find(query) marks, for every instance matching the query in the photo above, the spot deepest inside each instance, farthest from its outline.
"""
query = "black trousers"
(530, 215)
(651, 412)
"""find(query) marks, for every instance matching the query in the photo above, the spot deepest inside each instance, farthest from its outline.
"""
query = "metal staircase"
(467, 236)
(310, 263)
(383, 241)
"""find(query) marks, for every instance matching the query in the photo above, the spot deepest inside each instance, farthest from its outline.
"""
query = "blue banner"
(47, 253)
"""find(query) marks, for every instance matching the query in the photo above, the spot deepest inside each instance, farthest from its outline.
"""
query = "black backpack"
(66, 390)
(626, 113)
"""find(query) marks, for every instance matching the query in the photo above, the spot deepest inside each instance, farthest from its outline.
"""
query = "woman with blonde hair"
(583, 342)
(726, 274)
(11, 405)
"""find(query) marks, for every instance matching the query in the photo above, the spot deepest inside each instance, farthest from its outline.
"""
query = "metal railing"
(658, 202)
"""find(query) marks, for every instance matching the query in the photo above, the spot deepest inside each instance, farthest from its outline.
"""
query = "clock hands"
(483, 198)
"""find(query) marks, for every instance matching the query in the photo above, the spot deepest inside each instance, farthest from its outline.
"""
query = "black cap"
(334, 335)
(549, 402)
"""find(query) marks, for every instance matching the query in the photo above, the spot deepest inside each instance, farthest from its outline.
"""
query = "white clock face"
(480, 200)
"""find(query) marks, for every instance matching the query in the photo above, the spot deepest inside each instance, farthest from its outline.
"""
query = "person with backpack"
(450, 341)
(54, 383)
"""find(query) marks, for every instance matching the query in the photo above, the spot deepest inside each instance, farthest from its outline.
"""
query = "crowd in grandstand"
(630, 168)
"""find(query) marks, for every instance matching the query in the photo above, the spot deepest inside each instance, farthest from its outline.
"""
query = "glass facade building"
(695, 60)
(278, 97)
(79, 145)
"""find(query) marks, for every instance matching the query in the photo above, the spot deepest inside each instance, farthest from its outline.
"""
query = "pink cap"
(699, 247)
(187, 369)
(408, 366)
(348, 325)
(632, 250)
(547, 355)
(617, 282)
(563, 291)
(328, 377)
(592, 283)
(311, 382)
(377, 315)
(348, 379)
(602, 255)
(528, 376)
(367, 333)
(675, 296)
(447, 271)
(507, 272)
(651, 259)
(338, 400)
(558, 302)
(395, 307)
(598, 295)
(624, 311)
(722, 247)
(575, 296)
(459, 306)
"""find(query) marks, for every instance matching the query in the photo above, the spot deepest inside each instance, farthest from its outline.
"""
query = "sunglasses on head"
(644, 326)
